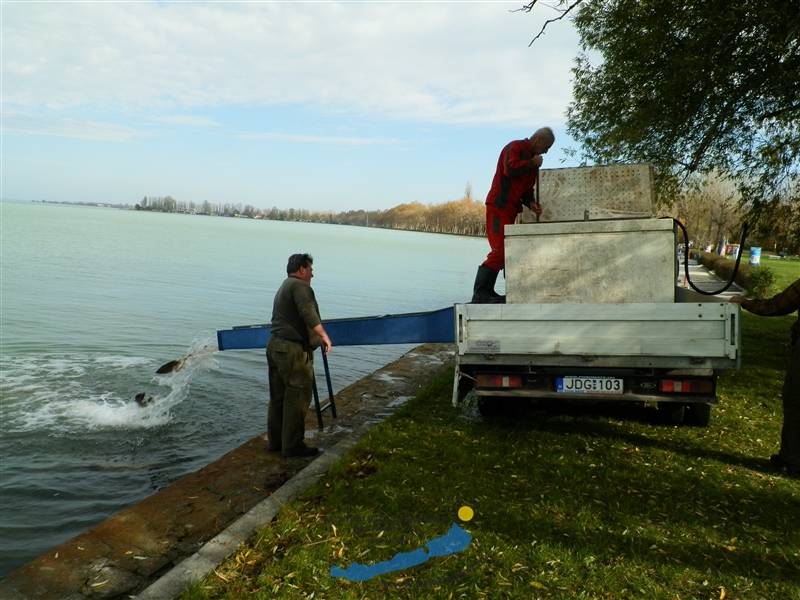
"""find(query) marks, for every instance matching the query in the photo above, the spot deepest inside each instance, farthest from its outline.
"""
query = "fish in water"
(143, 400)
(171, 366)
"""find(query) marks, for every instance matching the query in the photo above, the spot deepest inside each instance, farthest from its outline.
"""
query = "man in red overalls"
(512, 186)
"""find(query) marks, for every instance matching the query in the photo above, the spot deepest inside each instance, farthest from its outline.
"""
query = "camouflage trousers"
(291, 376)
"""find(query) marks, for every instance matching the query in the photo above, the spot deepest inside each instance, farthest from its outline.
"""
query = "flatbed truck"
(594, 312)
(663, 355)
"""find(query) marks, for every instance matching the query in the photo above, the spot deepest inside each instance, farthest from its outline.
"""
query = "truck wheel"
(698, 414)
(490, 407)
(463, 387)
(671, 413)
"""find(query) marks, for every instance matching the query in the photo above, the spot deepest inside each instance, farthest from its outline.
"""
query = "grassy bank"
(772, 276)
(579, 505)
(786, 271)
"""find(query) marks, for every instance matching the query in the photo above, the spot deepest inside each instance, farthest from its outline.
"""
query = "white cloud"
(317, 139)
(79, 129)
(188, 120)
(438, 63)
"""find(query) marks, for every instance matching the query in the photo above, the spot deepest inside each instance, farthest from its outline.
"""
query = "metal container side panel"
(685, 364)
(599, 192)
(592, 267)
(591, 227)
(607, 339)
(647, 311)
(676, 334)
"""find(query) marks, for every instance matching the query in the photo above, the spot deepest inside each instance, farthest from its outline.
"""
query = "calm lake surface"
(95, 299)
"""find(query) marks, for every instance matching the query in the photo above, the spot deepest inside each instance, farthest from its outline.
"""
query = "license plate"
(583, 384)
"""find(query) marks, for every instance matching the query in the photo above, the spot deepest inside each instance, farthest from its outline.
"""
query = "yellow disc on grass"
(465, 513)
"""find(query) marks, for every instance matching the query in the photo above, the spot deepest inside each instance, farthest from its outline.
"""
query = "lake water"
(95, 299)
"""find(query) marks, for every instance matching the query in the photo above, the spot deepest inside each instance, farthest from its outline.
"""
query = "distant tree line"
(464, 216)
(712, 211)
(714, 214)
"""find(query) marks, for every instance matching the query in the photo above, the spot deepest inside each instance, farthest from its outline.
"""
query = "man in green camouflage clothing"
(296, 332)
(788, 458)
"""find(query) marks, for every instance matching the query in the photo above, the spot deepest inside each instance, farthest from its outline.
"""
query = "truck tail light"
(686, 386)
(499, 381)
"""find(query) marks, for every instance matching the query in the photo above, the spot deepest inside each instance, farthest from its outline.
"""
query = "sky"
(327, 106)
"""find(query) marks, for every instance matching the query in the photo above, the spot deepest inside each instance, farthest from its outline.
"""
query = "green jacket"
(295, 313)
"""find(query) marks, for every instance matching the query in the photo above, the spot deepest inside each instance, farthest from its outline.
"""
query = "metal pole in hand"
(316, 403)
(328, 381)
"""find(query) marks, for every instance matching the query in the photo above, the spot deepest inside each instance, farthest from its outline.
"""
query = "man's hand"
(325, 341)
(536, 208)
(326, 344)
(536, 161)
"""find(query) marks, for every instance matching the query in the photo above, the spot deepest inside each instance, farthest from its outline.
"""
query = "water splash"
(72, 394)
(200, 358)
(198, 350)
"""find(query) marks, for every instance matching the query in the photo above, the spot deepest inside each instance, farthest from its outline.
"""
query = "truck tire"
(490, 407)
(698, 414)
(671, 413)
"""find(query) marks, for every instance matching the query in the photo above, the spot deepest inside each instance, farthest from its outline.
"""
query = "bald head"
(542, 139)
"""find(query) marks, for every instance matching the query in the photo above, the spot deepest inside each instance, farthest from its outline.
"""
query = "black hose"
(686, 260)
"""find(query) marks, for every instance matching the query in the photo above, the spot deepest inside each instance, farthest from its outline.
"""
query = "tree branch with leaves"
(695, 87)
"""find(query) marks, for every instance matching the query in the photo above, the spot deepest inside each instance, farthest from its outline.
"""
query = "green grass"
(786, 271)
(579, 505)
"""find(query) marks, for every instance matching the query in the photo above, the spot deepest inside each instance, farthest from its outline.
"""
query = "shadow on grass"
(593, 420)
(686, 513)
(765, 341)
(587, 499)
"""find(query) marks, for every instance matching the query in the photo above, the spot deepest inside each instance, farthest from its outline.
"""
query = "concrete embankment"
(142, 544)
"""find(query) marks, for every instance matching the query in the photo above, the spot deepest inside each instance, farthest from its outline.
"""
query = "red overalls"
(512, 187)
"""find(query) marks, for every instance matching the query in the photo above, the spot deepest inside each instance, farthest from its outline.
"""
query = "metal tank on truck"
(593, 313)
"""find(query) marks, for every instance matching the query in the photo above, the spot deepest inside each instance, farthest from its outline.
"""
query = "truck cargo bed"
(662, 335)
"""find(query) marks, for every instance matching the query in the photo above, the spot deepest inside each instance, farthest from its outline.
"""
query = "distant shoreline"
(449, 218)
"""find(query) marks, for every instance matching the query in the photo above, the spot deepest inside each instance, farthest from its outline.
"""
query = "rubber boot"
(483, 290)
(497, 298)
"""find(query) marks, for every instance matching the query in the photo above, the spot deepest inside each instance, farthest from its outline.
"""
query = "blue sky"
(319, 105)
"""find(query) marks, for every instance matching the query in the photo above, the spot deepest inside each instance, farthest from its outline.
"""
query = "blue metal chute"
(407, 328)
(243, 337)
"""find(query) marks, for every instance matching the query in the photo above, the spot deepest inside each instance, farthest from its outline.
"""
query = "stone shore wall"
(125, 553)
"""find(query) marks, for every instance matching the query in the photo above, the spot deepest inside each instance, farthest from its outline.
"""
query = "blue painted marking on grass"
(455, 540)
